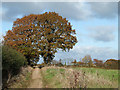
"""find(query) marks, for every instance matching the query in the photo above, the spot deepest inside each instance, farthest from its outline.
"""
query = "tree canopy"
(86, 59)
(42, 34)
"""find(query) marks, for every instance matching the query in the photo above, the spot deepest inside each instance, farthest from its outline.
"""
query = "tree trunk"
(50, 58)
(45, 61)
(9, 76)
(28, 60)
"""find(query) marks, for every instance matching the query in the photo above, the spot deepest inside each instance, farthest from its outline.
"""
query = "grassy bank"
(22, 80)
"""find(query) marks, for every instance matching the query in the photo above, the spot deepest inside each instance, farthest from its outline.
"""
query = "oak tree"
(42, 34)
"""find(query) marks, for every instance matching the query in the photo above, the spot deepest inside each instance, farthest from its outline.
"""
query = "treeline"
(88, 62)
(108, 64)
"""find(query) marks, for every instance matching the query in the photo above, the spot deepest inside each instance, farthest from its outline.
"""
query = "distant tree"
(98, 63)
(65, 63)
(41, 34)
(86, 59)
(80, 63)
(111, 63)
(90, 63)
(74, 62)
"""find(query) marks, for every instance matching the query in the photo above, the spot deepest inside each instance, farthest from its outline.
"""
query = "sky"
(96, 25)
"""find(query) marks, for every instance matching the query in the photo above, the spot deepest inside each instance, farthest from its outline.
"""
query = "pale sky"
(96, 25)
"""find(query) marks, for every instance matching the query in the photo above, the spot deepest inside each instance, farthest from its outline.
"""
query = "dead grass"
(61, 77)
(81, 79)
(22, 79)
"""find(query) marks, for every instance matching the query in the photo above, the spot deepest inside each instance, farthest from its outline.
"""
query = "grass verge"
(22, 80)
(51, 77)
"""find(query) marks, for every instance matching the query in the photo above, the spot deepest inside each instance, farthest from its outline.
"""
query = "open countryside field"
(61, 77)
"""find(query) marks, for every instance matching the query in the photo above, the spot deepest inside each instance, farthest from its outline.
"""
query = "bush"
(12, 61)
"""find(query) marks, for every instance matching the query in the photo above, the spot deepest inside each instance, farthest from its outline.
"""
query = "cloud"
(70, 10)
(12, 10)
(106, 10)
(101, 53)
(102, 33)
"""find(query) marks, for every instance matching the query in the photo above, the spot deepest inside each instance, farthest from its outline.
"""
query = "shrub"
(12, 61)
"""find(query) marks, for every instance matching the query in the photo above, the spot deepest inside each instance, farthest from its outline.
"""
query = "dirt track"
(36, 79)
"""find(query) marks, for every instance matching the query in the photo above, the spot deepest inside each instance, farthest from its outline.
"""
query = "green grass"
(62, 70)
(110, 77)
(28, 76)
(106, 73)
(50, 73)
(49, 78)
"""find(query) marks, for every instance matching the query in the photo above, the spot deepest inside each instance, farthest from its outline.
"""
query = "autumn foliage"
(88, 62)
(98, 63)
(111, 63)
(41, 34)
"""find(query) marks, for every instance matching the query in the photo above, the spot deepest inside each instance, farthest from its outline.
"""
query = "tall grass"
(110, 74)
(80, 78)
(51, 77)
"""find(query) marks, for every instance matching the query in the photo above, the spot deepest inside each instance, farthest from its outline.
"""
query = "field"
(56, 77)
(69, 77)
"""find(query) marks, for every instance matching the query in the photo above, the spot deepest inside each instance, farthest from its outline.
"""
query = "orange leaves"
(73, 31)
(9, 33)
(46, 32)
